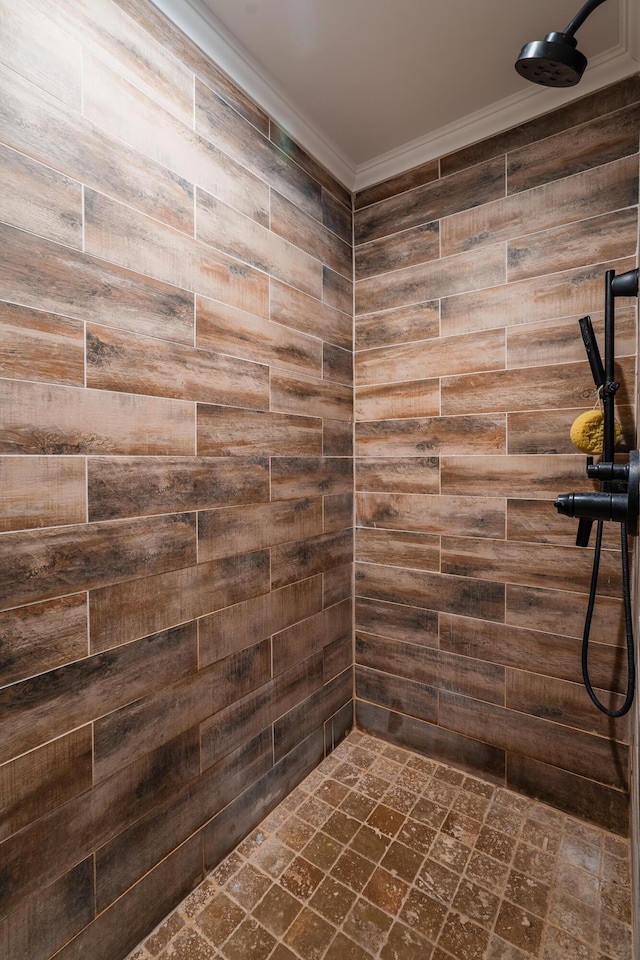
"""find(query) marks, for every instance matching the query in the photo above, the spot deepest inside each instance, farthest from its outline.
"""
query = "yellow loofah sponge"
(587, 432)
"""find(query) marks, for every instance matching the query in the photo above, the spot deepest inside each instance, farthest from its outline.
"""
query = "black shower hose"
(628, 623)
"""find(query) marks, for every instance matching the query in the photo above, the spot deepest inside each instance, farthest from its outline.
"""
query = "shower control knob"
(594, 506)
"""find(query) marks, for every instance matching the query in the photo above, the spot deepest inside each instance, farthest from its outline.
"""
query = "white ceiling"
(373, 87)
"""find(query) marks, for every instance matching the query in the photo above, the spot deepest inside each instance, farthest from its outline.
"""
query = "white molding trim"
(195, 19)
(519, 108)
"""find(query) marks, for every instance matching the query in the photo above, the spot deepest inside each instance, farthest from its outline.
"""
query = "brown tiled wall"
(176, 464)
(471, 274)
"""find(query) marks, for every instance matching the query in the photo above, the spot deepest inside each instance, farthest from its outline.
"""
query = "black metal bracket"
(619, 495)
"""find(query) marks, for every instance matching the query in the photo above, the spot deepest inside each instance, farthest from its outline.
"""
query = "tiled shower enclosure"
(178, 283)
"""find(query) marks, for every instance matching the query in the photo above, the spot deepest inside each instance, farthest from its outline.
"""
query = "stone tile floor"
(383, 853)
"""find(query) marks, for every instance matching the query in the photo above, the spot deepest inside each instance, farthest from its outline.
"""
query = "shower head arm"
(581, 16)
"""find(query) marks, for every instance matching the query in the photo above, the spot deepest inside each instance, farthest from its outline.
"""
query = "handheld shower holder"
(619, 496)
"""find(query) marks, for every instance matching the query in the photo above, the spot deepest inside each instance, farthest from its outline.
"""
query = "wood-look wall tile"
(337, 438)
(47, 848)
(438, 436)
(155, 23)
(44, 419)
(392, 401)
(573, 750)
(600, 141)
(566, 201)
(114, 232)
(227, 829)
(117, 930)
(534, 388)
(604, 806)
(223, 228)
(432, 201)
(126, 363)
(42, 492)
(53, 703)
(445, 357)
(40, 346)
(338, 512)
(43, 779)
(47, 276)
(296, 684)
(293, 308)
(228, 432)
(537, 520)
(293, 477)
(537, 649)
(246, 623)
(306, 558)
(40, 200)
(45, 921)
(405, 249)
(434, 742)
(42, 636)
(141, 486)
(560, 341)
(607, 237)
(118, 106)
(242, 720)
(563, 294)
(307, 637)
(549, 432)
(43, 128)
(397, 621)
(227, 330)
(303, 231)
(135, 608)
(419, 551)
(228, 531)
(36, 49)
(122, 862)
(311, 397)
(300, 722)
(534, 565)
(418, 321)
(337, 214)
(398, 475)
(123, 44)
(565, 703)
(535, 477)
(337, 291)
(126, 734)
(337, 364)
(445, 277)
(410, 697)
(218, 122)
(434, 591)
(289, 147)
(556, 612)
(407, 180)
(435, 668)
(38, 565)
(470, 517)
(337, 584)
(337, 658)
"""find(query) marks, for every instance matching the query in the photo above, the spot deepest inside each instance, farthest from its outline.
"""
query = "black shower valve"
(594, 506)
(620, 502)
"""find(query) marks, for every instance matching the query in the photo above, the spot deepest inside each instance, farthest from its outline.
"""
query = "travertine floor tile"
(381, 853)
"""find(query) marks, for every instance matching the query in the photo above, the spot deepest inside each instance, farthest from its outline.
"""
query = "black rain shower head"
(556, 61)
